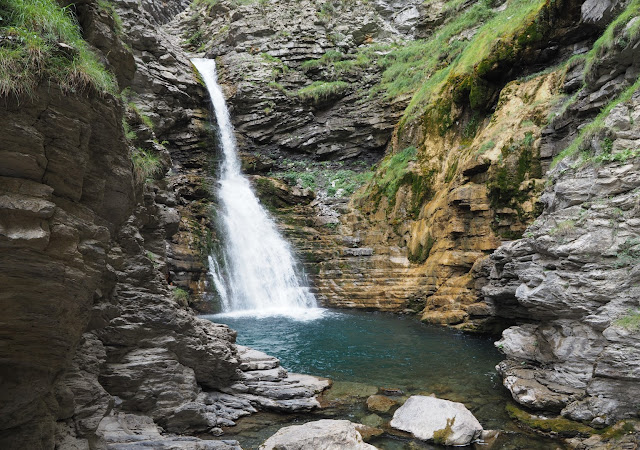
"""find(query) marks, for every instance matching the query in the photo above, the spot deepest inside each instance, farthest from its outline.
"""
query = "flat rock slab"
(319, 435)
(441, 421)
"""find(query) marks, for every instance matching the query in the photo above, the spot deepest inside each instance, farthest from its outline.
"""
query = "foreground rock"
(441, 421)
(323, 434)
(96, 350)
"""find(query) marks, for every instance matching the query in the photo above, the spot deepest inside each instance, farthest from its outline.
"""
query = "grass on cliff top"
(31, 34)
(423, 67)
(613, 35)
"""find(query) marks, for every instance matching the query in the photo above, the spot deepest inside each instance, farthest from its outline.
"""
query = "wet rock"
(380, 403)
(441, 421)
(325, 434)
(600, 12)
(347, 391)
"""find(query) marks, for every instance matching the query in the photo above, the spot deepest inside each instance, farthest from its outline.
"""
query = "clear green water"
(364, 351)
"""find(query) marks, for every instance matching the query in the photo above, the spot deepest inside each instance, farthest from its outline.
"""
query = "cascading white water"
(258, 273)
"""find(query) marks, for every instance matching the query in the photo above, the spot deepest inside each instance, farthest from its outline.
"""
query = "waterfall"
(257, 274)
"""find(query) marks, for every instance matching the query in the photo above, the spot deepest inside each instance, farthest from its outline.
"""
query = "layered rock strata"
(572, 282)
(271, 51)
(97, 352)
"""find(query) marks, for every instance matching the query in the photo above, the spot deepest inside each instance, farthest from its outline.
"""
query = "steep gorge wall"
(97, 351)
(462, 173)
(572, 281)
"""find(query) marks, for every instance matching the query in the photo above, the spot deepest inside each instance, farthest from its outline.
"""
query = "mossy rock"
(556, 425)
(348, 391)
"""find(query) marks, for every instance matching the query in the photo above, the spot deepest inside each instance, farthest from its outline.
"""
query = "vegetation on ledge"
(320, 91)
(41, 41)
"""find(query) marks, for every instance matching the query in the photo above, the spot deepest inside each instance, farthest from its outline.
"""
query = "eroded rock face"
(574, 278)
(600, 12)
(441, 421)
(96, 351)
(55, 232)
(325, 434)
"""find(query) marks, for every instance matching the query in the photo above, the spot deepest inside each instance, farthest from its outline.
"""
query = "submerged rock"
(323, 434)
(441, 421)
(380, 403)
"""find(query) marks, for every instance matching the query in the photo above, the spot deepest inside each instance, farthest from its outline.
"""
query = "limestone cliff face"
(462, 173)
(572, 282)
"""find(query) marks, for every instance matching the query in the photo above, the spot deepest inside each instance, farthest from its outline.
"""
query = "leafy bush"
(41, 41)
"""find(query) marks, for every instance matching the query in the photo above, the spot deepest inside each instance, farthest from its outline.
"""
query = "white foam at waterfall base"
(257, 275)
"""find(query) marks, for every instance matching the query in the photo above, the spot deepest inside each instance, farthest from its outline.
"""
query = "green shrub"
(146, 164)
(42, 42)
(319, 91)
(181, 296)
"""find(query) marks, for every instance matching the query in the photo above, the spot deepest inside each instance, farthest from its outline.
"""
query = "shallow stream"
(363, 352)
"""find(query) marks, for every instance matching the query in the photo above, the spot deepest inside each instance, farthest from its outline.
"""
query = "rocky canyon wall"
(465, 170)
(98, 350)
(571, 282)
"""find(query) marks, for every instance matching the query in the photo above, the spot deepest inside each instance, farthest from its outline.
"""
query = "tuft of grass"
(320, 91)
(612, 36)
(329, 57)
(631, 321)
(181, 296)
(110, 9)
(146, 165)
(207, 3)
(582, 141)
(146, 120)
(41, 41)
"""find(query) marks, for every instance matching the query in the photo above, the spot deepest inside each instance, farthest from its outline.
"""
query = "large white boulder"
(441, 421)
(323, 434)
